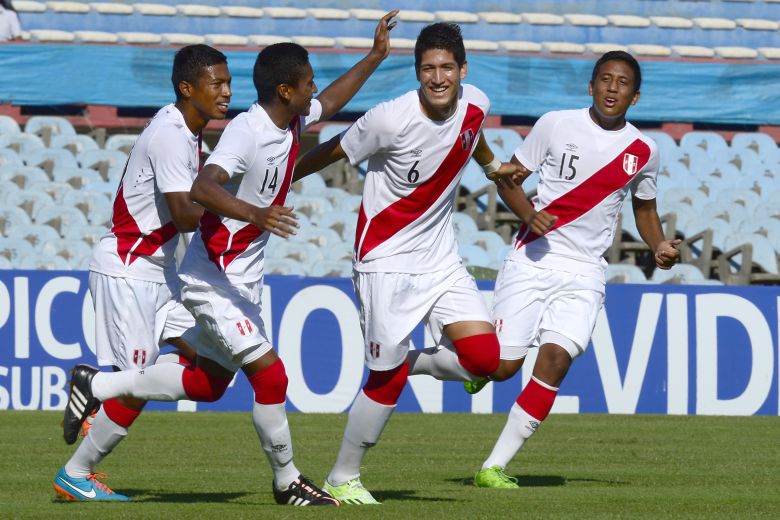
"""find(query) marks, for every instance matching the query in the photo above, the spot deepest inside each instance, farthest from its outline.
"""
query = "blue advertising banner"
(666, 349)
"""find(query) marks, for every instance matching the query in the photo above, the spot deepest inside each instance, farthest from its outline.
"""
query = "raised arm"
(319, 157)
(338, 93)
(649, 226)
(207, 191)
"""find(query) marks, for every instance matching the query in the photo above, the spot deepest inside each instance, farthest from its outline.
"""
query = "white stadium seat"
(182, 38)
(96, 37)
(323, 13)
(714, 23)
(500, 17)
(587, 20)
(284, 12)
(646, 49)
(154, 9)
(226, 39)
(542, 18)
(457, 16)
(693, 51)
(756, 24)
(563, 47)
(240, 11)
(139, 38)
(409, 15)
(198, 10)
(627, 20)
(112, 8)
(671, 22)
(68, 7)
(51, 36)
(520, 46)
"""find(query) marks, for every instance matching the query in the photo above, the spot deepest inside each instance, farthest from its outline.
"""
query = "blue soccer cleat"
(87, 489)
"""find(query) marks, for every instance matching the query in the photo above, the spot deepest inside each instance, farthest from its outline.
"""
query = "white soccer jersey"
(142, 238)
(259, 157)
(584, 175)
(414, 167)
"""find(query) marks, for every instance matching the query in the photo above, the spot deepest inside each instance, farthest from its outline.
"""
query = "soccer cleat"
(303, 492)
(87, 424)
(81, 402)
(84, 489)
(473, 387)
(351, 492)
(494, 477)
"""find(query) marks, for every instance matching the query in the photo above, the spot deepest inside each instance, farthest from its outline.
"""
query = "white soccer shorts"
(533, 306)
(229, 329)
(392, 304)
(129, 319)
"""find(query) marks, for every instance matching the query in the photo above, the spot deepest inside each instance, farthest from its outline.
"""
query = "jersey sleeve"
(369, 134)
(171, 158)
(644, 185)
(533, 150)
(235, 151)
(315, 113)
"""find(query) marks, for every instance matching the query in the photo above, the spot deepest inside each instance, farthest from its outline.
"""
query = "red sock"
(479, 354)
(385, 386)
(201, 386)
(537, 399)
(270, 384)
(119, 413)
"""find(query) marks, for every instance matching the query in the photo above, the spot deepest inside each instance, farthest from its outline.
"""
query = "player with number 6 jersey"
(406, 263)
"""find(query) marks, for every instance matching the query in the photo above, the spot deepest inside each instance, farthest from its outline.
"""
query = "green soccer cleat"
(473, 387)
(351, 492)
(494, 477)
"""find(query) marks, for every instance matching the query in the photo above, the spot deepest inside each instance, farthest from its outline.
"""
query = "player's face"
(439, 76)
(613, 90)
(302, 93)
(211, 93)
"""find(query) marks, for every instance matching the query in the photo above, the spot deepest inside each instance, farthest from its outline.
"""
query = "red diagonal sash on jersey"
(404, 211)
(130, 242)
(222, 247)
(572, 205)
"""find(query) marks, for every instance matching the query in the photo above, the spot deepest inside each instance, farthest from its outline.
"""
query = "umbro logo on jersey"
(417, 153)
(467, 138)
(571, 147)
(630, 163)
(270, 159)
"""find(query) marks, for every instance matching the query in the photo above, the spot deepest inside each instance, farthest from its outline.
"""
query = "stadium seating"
(691, 29)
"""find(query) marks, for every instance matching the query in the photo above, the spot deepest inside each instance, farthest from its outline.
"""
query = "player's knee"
(479, 354)
(506, 369)
(201, 386)
(385, 387)
(270, 384)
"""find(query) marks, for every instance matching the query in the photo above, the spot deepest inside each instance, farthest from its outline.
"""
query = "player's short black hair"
(278, 64)
(620, 56)
(442, 35)
(190, 61)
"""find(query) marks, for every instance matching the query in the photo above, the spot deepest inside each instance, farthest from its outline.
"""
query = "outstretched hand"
(279, 220)
(667, 254)
(381, 46)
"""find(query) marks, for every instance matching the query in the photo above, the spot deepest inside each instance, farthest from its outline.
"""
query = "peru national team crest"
(467, 138)
(630, 164)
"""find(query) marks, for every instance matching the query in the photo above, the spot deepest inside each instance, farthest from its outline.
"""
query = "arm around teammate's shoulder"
(318, 158)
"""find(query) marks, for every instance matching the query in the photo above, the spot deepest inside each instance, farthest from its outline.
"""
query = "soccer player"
(132, 275)
(406, 264)
(551, 285)
(243, 187)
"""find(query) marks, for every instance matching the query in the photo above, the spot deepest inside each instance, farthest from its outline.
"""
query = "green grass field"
(209, 465)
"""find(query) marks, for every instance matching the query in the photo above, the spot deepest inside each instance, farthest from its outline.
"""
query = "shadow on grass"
(407, 494)
(523, 480)
(145, 496)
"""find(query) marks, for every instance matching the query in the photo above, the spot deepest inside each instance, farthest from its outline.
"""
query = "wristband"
(491, 167)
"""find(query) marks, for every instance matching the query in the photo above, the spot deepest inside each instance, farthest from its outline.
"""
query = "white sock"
(519, 427)
(154, 383)
(365, 423)
(439, 362)
(103, 437)
(274, 432)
